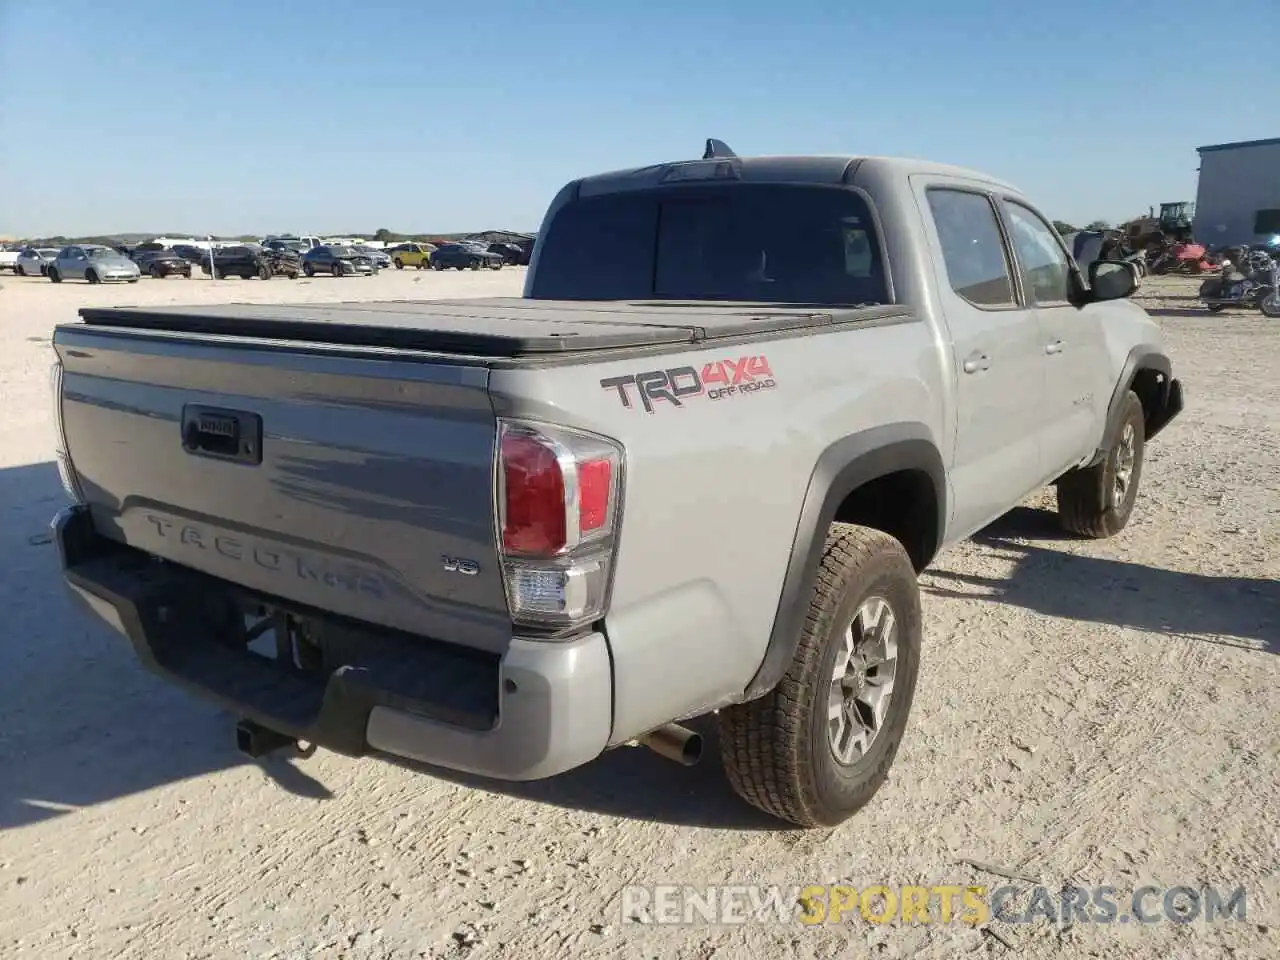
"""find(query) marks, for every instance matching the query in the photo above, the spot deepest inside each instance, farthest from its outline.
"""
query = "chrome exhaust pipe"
(675, 743)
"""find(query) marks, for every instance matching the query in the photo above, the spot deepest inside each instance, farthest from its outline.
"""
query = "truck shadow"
(635, 784)
(1238, 612)
(81, 722)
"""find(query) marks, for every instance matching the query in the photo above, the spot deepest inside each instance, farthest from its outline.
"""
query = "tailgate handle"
(222, 434)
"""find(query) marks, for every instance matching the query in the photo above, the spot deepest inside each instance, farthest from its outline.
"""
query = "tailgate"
(356, 485)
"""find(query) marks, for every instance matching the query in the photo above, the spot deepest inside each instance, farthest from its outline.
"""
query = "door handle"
(1055, 347)
(976, 361)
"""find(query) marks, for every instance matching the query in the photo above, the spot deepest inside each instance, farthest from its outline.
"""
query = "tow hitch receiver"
(255, 740)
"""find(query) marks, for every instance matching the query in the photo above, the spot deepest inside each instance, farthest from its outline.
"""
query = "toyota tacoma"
(695, 469)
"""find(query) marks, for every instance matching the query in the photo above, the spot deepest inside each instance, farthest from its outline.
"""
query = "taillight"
(558, 493)
(66, 471)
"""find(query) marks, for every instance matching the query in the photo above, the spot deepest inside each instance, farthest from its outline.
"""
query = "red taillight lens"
(595, 480)
(534, 517)
(558, 496)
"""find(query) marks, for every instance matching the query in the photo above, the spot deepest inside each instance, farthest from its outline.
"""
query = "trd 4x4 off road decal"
(718, 380)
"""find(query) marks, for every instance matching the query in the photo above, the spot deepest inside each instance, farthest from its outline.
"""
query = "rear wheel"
(399, 264)
(1097, 501)
(20, 270)
(816, 748)
(1269, 303)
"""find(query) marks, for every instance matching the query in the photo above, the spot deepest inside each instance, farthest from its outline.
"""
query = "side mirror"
(1112, 279)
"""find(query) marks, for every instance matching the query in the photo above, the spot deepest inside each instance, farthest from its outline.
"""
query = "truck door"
(1077, 367)
(997, 354)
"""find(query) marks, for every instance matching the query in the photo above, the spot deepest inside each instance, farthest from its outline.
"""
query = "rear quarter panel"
(713, 495)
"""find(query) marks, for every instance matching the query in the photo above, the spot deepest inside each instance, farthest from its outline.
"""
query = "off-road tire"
(775, 749)
(1087, 502)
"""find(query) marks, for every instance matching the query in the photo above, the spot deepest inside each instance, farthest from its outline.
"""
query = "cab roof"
(717, 161)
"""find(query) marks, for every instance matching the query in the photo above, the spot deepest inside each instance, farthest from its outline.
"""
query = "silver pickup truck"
(696, 468)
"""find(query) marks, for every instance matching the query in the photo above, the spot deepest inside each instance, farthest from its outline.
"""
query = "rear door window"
(973, 248)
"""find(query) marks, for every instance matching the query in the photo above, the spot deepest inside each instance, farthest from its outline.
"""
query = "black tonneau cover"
(498, 327)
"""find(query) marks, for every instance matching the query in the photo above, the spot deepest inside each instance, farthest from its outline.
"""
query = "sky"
(232, 117)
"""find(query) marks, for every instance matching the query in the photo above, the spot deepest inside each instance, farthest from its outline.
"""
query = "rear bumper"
(538, 710)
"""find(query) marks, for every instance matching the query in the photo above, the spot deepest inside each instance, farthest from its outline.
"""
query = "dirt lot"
(1088, 713)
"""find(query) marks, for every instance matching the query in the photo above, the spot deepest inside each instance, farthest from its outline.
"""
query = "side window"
(1044, 266)
(972, 247)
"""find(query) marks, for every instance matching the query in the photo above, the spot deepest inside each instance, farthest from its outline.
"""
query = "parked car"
(412, 255)
(509, 252)
(162, 263)
(249, 260)
(289, 245)
(338, 262)
(93, 263)
(464, 256)
(34, 261)
(925, 323)
(9, 258)
(192, 254)
(380, 258)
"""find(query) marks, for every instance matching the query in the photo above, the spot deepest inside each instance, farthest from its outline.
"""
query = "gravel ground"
(1088, 713)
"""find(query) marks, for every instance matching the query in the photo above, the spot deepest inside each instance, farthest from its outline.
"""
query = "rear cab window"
(770, 243)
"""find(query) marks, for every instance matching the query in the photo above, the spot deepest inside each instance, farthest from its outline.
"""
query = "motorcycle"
(1254, 282)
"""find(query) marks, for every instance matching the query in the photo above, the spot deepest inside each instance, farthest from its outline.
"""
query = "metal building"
(1238, 197)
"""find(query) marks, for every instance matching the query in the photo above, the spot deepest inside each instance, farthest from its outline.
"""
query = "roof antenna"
(717, 150)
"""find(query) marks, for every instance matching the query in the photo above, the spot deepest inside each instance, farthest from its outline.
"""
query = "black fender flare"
(842, 468)
(1141, 357)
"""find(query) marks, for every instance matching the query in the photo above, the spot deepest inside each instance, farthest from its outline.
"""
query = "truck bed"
(500, 327)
